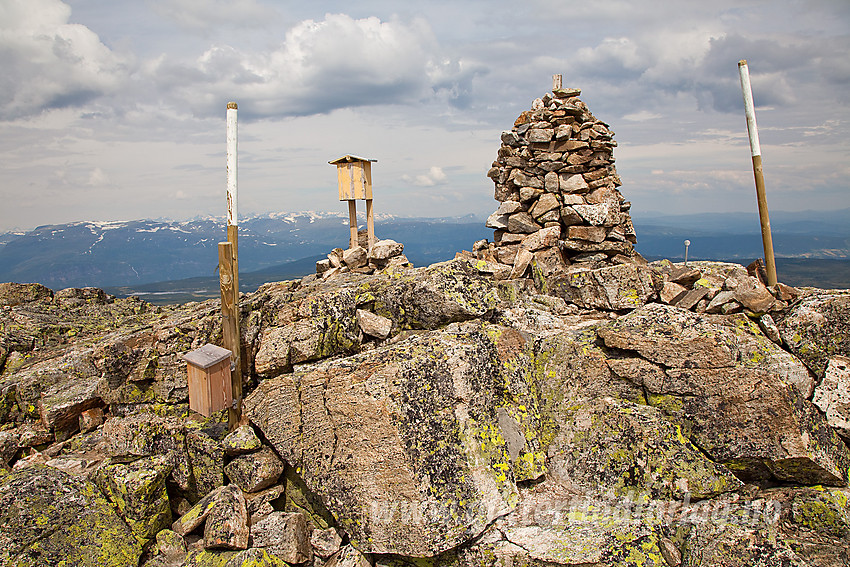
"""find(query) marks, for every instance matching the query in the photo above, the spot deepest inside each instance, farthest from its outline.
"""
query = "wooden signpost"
(354, 175)
(758, 172)
(228, 272)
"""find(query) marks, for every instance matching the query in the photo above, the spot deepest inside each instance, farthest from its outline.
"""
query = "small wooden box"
(209, 374)
(354, 175)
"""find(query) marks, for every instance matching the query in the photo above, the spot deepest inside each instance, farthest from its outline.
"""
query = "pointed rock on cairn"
(557, 185)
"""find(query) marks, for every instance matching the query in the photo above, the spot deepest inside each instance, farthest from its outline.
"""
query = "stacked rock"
(384, 254)
(557, 184)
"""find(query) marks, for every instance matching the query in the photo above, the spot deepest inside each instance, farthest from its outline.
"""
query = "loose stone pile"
(384, 254)
(557, 184)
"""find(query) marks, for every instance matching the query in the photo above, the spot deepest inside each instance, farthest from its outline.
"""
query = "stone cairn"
(557, 185)
(386, 253)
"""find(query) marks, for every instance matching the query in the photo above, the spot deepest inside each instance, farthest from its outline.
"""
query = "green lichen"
(823, 510)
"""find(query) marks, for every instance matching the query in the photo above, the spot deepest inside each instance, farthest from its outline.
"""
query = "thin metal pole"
(758, 172)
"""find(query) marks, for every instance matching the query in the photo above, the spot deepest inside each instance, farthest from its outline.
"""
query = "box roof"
(347, 158)
(206, 356)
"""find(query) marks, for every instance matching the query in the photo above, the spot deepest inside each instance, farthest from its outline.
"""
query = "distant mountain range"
(123, 253)
(805, 234)
(166, 257)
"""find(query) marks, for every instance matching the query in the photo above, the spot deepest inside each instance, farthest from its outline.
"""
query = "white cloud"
(322, 65)
(435, 176)
(98, 178)
(641, 116)
(50, 63)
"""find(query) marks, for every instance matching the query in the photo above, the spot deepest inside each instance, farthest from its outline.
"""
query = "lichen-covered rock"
(255, 557)
(735, 394)
(817, 328)
(226, 525)
(138, 491)
(348, 556)
(285, 535)
(145, 434)
(553, 526)
(241, 440)
(720, 542)
(12, 294)
(196, 515)
(622, 287)
(8, 447)
(48, 518)
(170, 545)
(825, 511)
(435, 430)
(255, 471)
(832, 395)
(61, 405)
(206, 460)
(299, 498)
(623, 448)
(325, 542)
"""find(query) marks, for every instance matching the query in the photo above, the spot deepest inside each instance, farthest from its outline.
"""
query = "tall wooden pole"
(230, 326)
(758, 172)
(228, 258)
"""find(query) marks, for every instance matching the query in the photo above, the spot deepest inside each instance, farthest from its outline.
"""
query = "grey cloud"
(51, 63)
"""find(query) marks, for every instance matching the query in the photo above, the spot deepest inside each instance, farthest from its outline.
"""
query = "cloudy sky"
(115, 110)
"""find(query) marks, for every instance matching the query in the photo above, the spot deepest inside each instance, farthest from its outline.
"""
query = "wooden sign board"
(209, 376)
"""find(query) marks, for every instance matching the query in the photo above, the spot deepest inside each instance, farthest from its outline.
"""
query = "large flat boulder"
(734, 393)
(627, 449)
(418, 447)
(48, 517)
(617, 288)
(319, 321)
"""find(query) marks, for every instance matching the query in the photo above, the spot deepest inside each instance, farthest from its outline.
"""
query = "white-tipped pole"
(228, 258)
(758, 172)
(232, 147)
(687, 243)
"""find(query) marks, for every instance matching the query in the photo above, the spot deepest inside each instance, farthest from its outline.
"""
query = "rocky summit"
(567, 405)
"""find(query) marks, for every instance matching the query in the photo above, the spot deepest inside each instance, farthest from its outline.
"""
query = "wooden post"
(230, 326)
(370, 223)
(352, 222)
(758, 172)
(557, 82)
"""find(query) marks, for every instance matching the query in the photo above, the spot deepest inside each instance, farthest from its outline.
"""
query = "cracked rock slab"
(48, 517)
(405, 443)
(733, 392)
